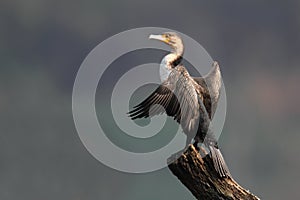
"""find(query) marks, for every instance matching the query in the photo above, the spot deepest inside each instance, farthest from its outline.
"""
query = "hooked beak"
(158, 37)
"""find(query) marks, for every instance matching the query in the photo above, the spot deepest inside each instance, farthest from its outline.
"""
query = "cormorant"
(191, 101)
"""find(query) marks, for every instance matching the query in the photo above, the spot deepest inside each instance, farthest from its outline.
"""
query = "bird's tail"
(219, 162)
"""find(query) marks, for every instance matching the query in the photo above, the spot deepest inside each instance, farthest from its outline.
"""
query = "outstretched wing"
(178, 96)
(162, 99)
(211, 84)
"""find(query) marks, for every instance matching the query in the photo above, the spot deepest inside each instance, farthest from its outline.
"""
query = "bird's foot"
(201, 149)
(195, 144)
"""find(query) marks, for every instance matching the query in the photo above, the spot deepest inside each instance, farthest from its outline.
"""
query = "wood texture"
(200, 177)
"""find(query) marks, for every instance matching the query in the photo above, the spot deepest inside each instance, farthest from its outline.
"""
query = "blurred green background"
(42, 44)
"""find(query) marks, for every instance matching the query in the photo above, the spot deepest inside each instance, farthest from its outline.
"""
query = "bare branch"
(200, 177)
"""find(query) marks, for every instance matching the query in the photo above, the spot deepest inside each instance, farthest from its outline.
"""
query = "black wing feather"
(177, 96)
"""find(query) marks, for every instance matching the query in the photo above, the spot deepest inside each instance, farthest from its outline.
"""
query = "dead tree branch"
(200, 177)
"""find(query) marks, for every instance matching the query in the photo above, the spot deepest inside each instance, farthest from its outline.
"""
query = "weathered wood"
(200, 177)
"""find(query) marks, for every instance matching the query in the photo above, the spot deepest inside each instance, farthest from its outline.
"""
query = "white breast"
(164, 72)
(165, 66)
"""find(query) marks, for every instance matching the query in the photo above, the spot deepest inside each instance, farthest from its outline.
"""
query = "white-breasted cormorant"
(190, 101)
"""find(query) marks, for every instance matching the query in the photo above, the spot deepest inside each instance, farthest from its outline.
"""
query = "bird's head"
(172, 39)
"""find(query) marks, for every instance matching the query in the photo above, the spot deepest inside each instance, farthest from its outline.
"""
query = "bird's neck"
(179, 49)
(171, 60)
(175, 57)
(167, 64)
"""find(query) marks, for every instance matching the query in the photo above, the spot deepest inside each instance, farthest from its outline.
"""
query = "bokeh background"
(42, 44)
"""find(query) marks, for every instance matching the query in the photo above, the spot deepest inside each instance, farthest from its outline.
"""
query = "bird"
(191, 101)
